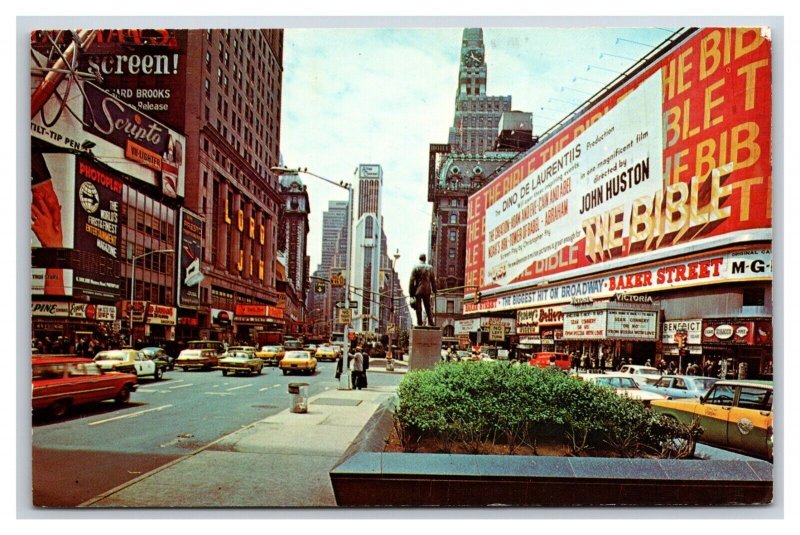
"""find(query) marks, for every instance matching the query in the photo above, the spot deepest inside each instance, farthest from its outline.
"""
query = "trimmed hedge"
(472, 405)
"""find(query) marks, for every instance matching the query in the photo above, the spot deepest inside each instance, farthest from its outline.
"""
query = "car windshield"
(238, 354)
(302, 355)
(647, 371)
(110, 355)
(704, 384)
(270, 348)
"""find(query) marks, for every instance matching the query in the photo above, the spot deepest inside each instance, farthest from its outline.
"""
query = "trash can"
(299, 392)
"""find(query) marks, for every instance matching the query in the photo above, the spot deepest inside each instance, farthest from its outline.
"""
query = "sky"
(382, 95)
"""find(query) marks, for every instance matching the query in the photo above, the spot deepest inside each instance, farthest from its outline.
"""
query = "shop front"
(681, 345)
(612, 332)
(251, 321)
(58, 325)
(740, 347)
(160, 323)
(222, 324)
(541, 329)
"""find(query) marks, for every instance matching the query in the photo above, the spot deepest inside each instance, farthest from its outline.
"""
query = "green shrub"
(473, 405)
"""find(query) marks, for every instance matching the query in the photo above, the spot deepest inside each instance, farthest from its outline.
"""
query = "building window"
(453, 218)
(453, 235)
(207, 87)
(452, 252)
(753, 297)
(451, 308)
(454, 202)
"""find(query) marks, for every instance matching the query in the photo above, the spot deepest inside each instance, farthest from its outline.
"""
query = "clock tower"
(477, 115)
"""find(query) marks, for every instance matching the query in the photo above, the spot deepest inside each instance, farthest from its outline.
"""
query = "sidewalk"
(280, 461)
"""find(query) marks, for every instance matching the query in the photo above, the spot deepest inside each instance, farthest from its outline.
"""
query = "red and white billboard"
(675, 161)
(116, 133)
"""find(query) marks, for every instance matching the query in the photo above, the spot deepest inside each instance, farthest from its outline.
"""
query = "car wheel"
(124, 395)
(258, 370)
(60, 408)
(224, 373)
(158, 374)
(285, 372)
(185, 369)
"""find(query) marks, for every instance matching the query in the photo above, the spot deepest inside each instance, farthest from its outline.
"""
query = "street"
(101, 446)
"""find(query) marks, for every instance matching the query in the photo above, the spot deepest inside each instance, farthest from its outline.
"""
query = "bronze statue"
(420, 288)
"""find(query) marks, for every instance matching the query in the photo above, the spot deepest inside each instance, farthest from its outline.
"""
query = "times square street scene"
(291, 267)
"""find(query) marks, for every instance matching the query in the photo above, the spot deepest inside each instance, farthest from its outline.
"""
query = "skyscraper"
(367, 230)
(462, 166)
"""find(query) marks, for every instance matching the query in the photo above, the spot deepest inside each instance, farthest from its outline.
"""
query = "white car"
(128, 361)
(641, 374)
(623, 384)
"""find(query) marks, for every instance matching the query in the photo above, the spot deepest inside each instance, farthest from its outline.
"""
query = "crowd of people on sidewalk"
(352, 371)
(84, 346)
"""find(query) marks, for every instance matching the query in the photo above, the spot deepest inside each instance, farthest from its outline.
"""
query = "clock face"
(473, 58)
(90, 198)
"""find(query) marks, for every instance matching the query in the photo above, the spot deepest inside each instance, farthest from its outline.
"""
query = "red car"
(61, 382)
(543, 359)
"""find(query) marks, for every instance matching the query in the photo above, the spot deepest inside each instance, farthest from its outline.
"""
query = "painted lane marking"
(180, 386)
(131, 415)
(268, 387)
(219, 394)
(238, 387)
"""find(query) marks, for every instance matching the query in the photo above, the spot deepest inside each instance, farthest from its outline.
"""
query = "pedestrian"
(366, 356)
(357, 366)
(583, 362)
(647, 362)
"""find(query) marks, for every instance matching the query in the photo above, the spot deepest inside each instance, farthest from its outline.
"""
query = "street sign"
(337, 280)
(344, 304)
(497, 332)
(344, 315)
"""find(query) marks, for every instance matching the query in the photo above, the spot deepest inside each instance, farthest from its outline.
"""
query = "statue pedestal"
(426, 348)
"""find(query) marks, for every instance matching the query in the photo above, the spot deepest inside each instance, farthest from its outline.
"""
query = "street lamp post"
(133, 286)
(282, 170)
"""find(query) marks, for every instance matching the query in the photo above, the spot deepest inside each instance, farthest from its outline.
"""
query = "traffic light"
(476, 298)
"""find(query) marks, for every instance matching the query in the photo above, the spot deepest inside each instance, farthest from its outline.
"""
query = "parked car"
(60, 383)
(681, 386)
(204, 359)
(130, 361)
(160, 356)
(271, 355)
(623, 384)
(327, 352)
(735, 415)
(298, 361)
(543, 359)
(641, 374)
(239, 361)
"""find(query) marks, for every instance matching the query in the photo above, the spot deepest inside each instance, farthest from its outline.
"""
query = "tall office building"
(321, 304)
(232, 124)
(366, 268)
(477, 115)
(486, 136)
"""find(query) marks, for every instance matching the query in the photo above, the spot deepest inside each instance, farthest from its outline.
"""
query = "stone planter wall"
(368, 477)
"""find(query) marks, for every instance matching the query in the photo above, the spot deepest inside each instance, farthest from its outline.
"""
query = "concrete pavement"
(280, 461)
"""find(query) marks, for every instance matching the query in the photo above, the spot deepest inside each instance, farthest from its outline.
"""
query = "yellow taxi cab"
(271, 355)
(298, 361)
(735, 415)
